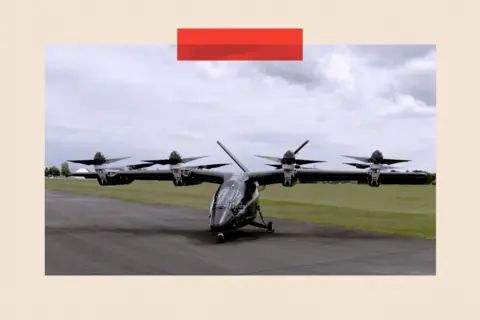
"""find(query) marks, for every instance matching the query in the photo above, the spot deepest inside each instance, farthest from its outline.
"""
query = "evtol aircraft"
(235, 203)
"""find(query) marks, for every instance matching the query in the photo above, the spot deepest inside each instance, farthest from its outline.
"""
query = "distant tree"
(430, 176)
(54, 171)
(65, 169)
(47, 172)
(433, 178)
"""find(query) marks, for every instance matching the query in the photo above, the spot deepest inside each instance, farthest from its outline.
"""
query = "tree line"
(56, 172)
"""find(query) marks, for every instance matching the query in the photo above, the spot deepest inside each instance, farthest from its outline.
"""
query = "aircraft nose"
(221, 217)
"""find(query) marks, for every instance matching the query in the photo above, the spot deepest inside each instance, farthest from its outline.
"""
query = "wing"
(408, 178)
(157, 175)
(167, 175)
(305, 176)
(314, 175)
(264, 178)
(404, 178)
(160, 175)
(216, 177)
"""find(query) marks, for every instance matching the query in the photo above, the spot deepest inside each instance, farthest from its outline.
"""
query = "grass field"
(406, 210)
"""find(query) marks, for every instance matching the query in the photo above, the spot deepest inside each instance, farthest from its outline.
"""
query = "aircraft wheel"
(270, 227)
(220, 237)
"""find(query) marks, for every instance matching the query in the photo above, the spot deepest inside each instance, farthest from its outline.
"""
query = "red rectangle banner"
(240, 44)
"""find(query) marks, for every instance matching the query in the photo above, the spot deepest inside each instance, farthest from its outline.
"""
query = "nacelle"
(289, 176)
(182, 178)
(373, 178)
(183, 182)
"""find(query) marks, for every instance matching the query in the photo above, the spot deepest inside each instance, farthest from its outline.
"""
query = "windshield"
(229, 197)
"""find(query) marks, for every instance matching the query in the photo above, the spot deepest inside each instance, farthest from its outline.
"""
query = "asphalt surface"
(87, 235)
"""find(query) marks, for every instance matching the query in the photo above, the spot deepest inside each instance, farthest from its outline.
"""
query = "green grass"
(406, 210)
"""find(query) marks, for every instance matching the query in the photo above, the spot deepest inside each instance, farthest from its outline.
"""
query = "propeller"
(209, 166)
(279, 166)
(358, 165)
(289, 158)
(98, 159)
(133, 166)
(176, 158)
(377, 158)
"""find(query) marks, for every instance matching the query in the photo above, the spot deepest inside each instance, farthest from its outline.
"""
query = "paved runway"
(87, 235)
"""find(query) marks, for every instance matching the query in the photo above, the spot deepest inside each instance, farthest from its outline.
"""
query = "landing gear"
(220, 237)
(270, 227)
(373, 183)
(263, 225)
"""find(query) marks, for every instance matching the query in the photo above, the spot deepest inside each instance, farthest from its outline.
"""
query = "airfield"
(154, 228)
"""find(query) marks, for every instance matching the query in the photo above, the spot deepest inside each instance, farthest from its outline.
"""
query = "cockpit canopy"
(233, 195)
(228, 196)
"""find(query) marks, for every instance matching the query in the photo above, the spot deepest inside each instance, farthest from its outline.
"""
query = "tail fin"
(233, 157)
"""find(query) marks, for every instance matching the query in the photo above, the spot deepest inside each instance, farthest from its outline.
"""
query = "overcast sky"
(139, 101)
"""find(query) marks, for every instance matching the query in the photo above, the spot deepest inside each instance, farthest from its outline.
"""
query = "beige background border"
(27, 294)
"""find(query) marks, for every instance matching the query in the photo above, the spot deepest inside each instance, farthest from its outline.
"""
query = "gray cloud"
(392, 55)
(292, 72)
(421, 85)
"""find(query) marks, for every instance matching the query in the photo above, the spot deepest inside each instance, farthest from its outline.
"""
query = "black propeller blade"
(139, 166)
(363, 159)
(377, 158)
(174, 158)
(209, 166)
(98, 159)
(279, 166)
(289, 158)
(358, 165)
